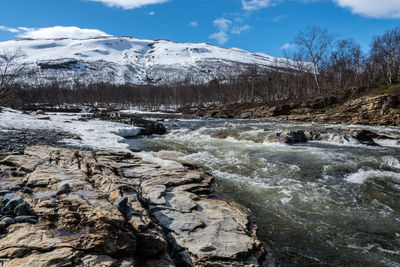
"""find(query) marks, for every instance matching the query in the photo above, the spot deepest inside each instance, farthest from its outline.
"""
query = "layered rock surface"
(118, 211)
(382, 109)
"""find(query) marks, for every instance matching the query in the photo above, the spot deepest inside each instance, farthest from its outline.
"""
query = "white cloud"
(222, 24)
(151, 13)
(194, 24)
(255, 4)
(59, 32)
(287, 46)
(279, 18)
(129, 4)
(225, 28)
(8, 29)
(240, 29)
(369, 8)
(373, 8)
(220, 36)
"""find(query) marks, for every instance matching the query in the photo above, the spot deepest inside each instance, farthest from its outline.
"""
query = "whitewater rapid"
(334, 202)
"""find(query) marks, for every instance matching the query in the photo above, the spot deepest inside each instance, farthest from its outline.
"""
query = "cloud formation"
(287, 46)
(129, 4)
(255, 4)
(221, 37)
(369, 8)
(372, 8)
(240, 29)
(222, 24)
(225, 28)
(194, 24)
(55, 32)
(8, 29)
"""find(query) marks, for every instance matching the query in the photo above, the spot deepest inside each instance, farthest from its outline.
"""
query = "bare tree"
(315, 42)
(345, 62)
(385, 53)
(11, 73)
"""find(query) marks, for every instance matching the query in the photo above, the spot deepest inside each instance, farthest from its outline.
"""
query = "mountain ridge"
(128, 60)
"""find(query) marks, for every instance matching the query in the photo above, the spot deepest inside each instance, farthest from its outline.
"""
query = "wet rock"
(40, 112)
(148, 127)
(124, 208)
(4, 191)
(64, 189)
(22, 209)
(27, 190)
(367, 137)
(13, 203)
(292, 137)
(9, 213)
(15, 188)
(7, 221)
(26, 219)
(43, 118)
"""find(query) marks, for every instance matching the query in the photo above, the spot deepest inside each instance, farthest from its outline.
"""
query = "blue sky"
(254, 25)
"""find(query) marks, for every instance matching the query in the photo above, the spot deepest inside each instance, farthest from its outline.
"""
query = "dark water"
(320, 203)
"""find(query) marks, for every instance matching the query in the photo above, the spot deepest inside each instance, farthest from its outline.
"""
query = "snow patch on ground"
(95, 134)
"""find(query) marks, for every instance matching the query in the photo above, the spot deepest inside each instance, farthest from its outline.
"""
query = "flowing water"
(320, 203)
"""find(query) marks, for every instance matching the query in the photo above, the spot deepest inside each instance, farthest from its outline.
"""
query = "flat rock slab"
(169, 218)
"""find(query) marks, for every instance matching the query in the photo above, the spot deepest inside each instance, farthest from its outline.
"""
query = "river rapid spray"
(333, 202)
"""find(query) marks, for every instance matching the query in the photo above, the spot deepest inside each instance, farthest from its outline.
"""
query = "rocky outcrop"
(367, 110)
(351, 106)
(113, 209)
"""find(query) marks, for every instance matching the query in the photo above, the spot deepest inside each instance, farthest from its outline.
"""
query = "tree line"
(320, 64)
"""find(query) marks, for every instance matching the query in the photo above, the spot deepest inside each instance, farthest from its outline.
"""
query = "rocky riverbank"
(113, 209)
(352, 106)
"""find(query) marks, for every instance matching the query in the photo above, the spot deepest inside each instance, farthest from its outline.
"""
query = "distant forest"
(321, 64)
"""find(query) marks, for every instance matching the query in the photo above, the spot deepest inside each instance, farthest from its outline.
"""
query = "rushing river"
(319, 203)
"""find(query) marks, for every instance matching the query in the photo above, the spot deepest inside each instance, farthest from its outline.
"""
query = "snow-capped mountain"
(121, 60)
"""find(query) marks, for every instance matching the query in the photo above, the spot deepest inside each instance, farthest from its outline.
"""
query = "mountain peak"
(121, 60)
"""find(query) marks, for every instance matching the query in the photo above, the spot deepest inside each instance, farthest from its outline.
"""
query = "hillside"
(125, 60)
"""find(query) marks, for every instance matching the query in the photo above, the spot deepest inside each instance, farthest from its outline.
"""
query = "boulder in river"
(149, 127)
(292, 137)
(367, 137)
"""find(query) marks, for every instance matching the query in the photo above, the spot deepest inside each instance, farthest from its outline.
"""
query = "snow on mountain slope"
(121, 60)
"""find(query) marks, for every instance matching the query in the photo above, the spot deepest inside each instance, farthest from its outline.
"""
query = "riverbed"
(332, 202)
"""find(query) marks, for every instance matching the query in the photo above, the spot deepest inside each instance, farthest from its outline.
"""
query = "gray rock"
(13, 203)
(43, 118)
(27, 219)
(4, 191)
(9, 213)
(7, 221)
(64, 189)
(22, 209)
(123, 207)
(15, 188)
(292, 137)
(121, 203)
(27, 190)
